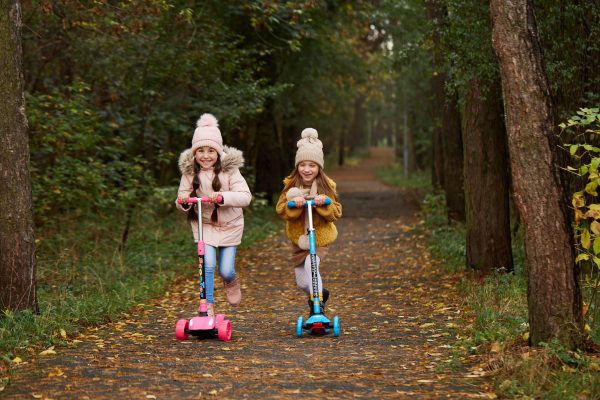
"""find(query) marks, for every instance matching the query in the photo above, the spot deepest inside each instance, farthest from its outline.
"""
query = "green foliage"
(394, 175)
(583, 129)
(467, 43)
(570, 38)
(76, 166)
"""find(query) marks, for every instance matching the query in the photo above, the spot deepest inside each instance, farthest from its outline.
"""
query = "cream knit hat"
(207, 133)
(310, 148)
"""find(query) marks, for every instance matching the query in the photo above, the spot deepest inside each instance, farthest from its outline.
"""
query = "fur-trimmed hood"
(231, 159)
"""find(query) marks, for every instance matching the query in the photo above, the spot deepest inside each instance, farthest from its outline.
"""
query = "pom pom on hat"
(207, 133)
(310, 148)
(207, 120)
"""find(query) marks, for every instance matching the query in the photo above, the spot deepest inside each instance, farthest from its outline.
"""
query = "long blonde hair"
(323, 183)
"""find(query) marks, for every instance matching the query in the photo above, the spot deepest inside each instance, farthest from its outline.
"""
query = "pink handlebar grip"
(203, 199)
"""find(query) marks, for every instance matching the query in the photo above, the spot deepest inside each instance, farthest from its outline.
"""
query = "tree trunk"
(341, 147)
(437, 145)
(486, 181)
(357, 129)
(554, 294)
(17, 246)
(453, 159)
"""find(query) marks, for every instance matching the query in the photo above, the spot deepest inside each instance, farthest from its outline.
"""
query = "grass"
(498, 307)
(350, 160)
(394, 175)
(498, 312)
(84, 279)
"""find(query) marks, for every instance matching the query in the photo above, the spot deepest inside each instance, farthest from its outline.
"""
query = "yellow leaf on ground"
(213, 392)
(48, 352)
(56, 372)
(63, 333)
(17, 360)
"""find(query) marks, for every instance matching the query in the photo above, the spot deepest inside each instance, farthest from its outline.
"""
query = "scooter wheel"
(224, 330)
(336, 326)
(180, 328)
(299, 326)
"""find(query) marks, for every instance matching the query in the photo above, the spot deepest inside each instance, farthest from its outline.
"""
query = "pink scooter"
(203, 326)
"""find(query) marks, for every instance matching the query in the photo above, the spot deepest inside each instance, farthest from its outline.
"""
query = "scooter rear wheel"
(299, 326)
(180, 328)
(224, 330)
(336, 326)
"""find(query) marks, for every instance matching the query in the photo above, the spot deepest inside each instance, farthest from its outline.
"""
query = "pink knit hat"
(207, 133)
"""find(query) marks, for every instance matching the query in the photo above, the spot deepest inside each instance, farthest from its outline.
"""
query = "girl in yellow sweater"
(308, 180)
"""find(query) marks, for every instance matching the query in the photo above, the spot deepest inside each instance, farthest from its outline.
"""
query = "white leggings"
(304, 277)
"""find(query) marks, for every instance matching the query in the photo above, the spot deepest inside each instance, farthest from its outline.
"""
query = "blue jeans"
(226, 267)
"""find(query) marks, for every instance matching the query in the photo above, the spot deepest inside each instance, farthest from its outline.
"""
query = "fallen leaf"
(48, 352)
(63, 333)
(17, 360)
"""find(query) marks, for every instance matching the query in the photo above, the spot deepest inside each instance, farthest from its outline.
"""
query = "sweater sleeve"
(331, 212)
(284, 211)
(238, 194)
(185, 188)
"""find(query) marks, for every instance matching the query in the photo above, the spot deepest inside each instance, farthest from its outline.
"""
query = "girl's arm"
(331, 212)
(239, 193)
(185, 188)
(284, 211)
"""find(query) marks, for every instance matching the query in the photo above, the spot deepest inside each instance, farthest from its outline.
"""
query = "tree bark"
(554, 293)
(453, 159)
(447, 140)
(486, 181)
(439, 94)
(17, 245)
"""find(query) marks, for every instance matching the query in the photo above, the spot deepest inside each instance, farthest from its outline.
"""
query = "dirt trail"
(397, 309)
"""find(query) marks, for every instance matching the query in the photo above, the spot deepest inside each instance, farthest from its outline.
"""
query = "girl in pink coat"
(210, 169)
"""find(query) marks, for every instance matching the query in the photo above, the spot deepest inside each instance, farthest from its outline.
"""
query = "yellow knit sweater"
(325, 230)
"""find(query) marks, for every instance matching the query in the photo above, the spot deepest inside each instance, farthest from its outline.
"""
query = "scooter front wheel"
(299, 326)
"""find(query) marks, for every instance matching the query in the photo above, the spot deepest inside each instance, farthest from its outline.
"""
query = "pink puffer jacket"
(228, 229)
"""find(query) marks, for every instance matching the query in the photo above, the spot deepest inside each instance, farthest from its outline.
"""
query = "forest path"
(398, 312)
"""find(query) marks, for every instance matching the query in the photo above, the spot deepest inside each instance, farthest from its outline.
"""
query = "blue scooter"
(317, 323)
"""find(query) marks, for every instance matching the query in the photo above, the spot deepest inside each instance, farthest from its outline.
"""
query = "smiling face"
(308, 171)
(206, 156)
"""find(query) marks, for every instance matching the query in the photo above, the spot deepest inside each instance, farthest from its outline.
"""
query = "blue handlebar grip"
(292, 203)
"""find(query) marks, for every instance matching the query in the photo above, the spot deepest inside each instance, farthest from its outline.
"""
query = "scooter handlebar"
(292, 203)
(203, 199)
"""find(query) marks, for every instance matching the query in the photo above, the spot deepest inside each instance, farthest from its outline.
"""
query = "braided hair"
(216, 186)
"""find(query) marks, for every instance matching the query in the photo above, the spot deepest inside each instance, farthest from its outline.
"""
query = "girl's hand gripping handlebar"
(292, 203)
(203, 199)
